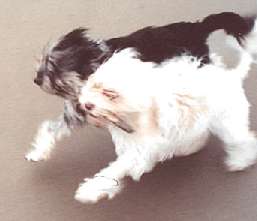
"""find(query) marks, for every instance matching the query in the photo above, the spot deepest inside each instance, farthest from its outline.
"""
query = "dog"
(66, 64)
(155, 113)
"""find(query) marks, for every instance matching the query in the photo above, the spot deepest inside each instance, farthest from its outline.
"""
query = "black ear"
(75, 52)
(76, 37)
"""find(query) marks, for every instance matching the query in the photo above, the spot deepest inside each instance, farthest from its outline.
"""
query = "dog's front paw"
(36, 156)
(97, 188)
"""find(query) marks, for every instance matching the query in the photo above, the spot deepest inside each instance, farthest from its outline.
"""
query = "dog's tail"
(233, 24)
(247, 48)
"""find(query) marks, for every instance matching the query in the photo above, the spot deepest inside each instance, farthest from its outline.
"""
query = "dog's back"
(157, 44)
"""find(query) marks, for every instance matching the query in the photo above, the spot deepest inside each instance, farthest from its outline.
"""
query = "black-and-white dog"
(66, 65)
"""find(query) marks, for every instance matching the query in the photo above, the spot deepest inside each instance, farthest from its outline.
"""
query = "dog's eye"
(111, 94)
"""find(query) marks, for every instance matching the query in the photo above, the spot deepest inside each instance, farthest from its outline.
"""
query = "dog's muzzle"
(38, 81)
(108, 116)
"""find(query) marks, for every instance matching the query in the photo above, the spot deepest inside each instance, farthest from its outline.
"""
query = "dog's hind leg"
(51, 131)
(240, 143)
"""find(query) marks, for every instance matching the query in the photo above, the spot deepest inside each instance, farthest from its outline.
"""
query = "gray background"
(193, 188)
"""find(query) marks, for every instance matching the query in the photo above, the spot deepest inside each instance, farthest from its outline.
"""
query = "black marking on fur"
(157, 44)
(76, 53)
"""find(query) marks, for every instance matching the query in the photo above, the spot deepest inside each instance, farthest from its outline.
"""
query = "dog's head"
(66, 64)
(116, 92)
(105, 105)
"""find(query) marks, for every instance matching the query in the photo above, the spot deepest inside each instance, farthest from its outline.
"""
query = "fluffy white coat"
(171, 110)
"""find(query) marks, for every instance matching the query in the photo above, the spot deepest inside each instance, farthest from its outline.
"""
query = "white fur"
(51, 131)
(97, 188)
(172, 109)
(44, 142)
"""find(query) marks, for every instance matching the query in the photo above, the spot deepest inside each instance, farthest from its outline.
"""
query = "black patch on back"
(157, 44)
(79, 53)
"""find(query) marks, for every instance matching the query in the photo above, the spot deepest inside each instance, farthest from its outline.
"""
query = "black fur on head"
(67, 63)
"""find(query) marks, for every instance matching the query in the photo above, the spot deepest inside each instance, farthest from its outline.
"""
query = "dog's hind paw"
(234, 166)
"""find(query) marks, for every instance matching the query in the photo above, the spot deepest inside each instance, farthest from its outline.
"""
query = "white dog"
(157, 112)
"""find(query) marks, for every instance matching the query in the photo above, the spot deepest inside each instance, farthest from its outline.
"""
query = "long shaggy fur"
(67, 64)
(171, 109)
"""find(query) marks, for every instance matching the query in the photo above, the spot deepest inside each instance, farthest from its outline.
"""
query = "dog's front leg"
(108, 182)
(51, 131)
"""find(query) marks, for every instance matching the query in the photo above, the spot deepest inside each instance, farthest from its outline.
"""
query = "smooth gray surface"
(193, 188)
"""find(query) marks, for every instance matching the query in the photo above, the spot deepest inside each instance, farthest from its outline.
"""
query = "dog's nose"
(38, 81)
(89, 106)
